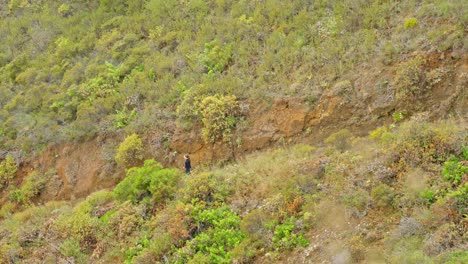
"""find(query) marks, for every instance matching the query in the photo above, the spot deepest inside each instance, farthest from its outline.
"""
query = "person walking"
(188, 166)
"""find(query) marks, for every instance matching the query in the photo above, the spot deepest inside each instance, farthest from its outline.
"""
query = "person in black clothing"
(188, 166)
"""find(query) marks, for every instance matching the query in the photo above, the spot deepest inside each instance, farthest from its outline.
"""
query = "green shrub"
(411, 23)
(286, 236)
(32, 186)
(71, 248)
(130, 151)
(8, 169)
(219, 116)
(7, 209)
(428, 196)
(220, 234)
(382, 195)
(418, 143)
(399, 116)
(460, 195)
(339, 139)
(132, 252)
(80, 226)
(158, 246)
(454, 257)
(215, 58)
(124, 117)
(204, 188)
(150, 180)
(454, 170)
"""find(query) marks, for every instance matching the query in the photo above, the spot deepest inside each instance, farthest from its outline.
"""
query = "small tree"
(8, 169)
(130, 151)
(219, 116)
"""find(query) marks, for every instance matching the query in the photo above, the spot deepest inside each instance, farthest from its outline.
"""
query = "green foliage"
(215, 58)
(454, 170)
(219, 116)
(460, 195)
(132, 252)
(428, 195)
(8, 169)
(31, 187)
(419, 143)
(220, 235)
(454, 257)
(80, 226)
(130, 151)
(64, 10)
(409, 251)
(399, 116)
(71, 248)
(204, 188)
(124, 117)
(150, 180)
(287, 237)
(383, 195)
(411, 23)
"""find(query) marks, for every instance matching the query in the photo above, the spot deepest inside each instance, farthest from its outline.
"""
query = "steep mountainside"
(320, 131)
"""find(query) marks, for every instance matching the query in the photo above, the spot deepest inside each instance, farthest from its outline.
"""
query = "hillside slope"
(321, 131)
(397, 196)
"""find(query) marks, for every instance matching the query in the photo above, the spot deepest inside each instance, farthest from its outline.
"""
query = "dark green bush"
(31, 187)
(219, 234)
(454, 170)
(151, 180)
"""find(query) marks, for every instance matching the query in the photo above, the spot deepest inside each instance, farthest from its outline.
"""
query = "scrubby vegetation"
(394, 198)
(128, 75)
(72, 70)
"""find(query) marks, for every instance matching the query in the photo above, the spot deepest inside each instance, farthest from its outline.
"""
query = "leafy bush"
(8, 169)
(80, 226)
(71, 248)
(286, 235)
(124, 117)
(32, 186)
(383, 195)
(204, 188)
(220, 233)
(219, 116)
(460, 195)
(130, 151)
(132, 252)
(399, 116)
(454, 257)
(428, 195)
(215, 58)
(454, 170)
(408, 250)
(150, 180)
(417, 143)
(358, 199)
(411, 23)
